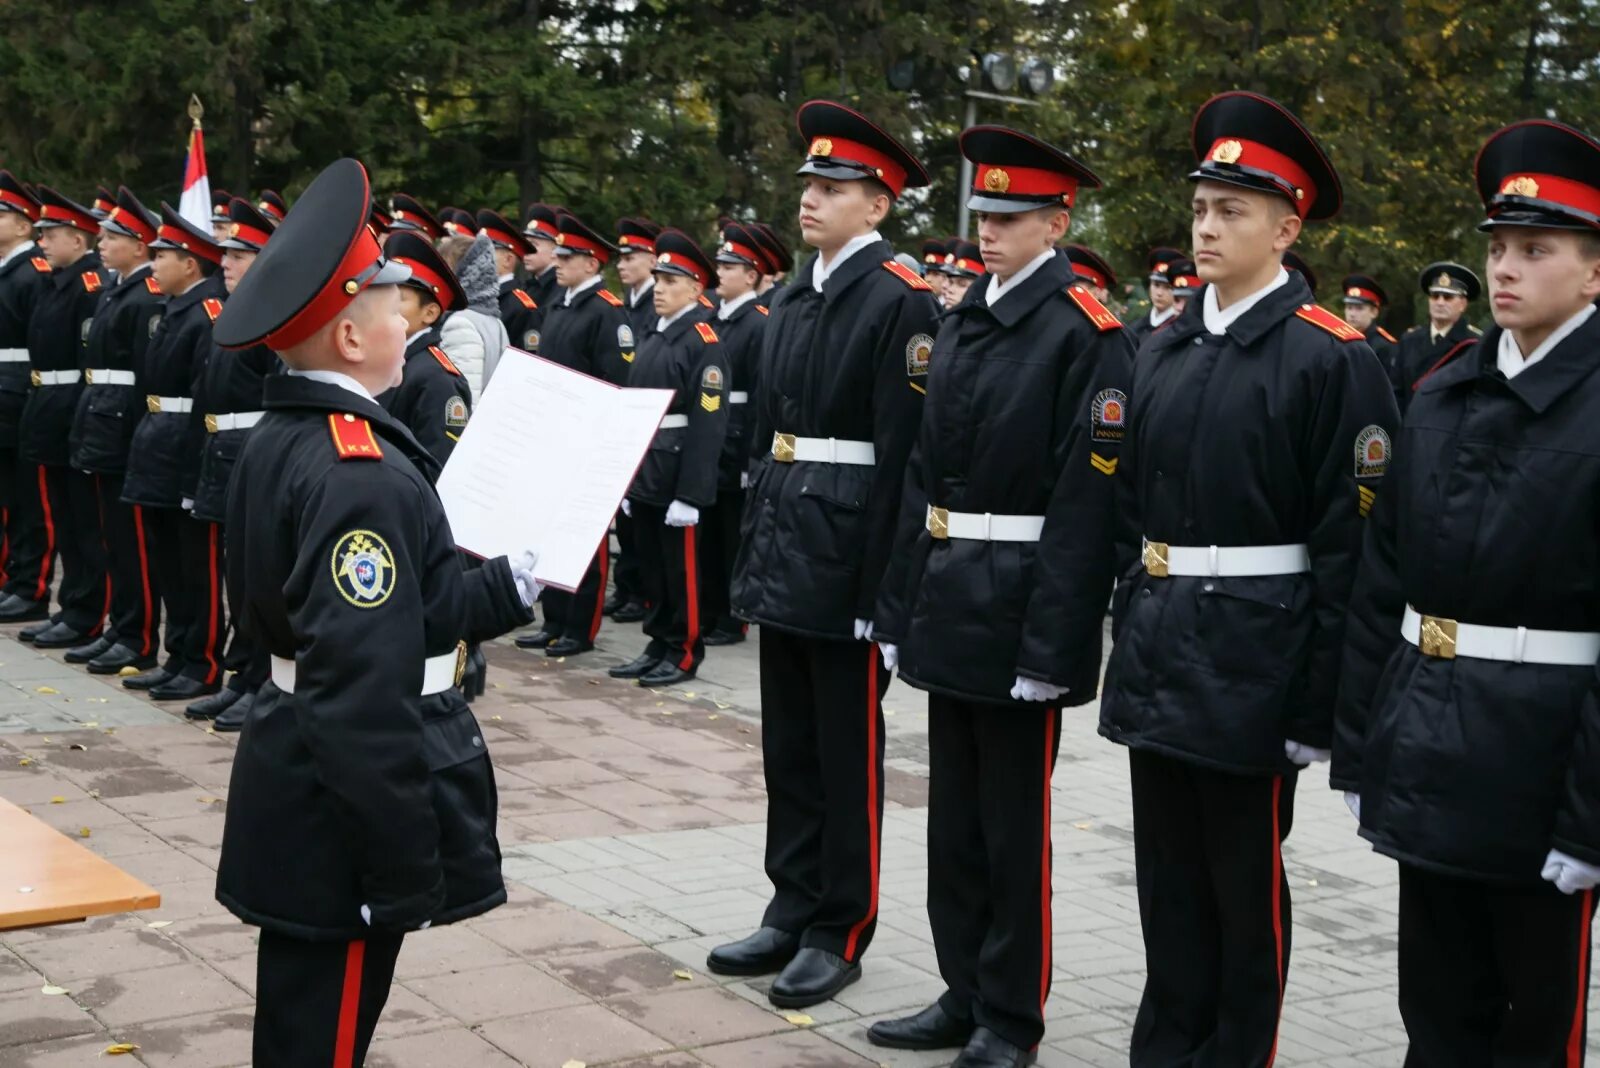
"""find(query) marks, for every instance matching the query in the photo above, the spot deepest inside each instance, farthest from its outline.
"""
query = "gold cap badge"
(1353, 291)
(996, 180)
(822, 146)
(1227, 152)
(1444, 281)
(1521, 186)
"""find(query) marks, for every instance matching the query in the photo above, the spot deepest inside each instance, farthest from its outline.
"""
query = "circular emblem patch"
(455, 413)
(625, 336)
(363, 568)
(83, 331)
(155, 321)
(530, 340)
(1372, 452)
(919, 350)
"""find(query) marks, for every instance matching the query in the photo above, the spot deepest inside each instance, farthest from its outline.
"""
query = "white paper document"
(544, 463)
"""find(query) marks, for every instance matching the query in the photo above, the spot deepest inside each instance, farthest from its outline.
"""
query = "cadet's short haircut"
(876, 189)
(1589, 244)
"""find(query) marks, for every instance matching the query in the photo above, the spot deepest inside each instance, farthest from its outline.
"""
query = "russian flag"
(195, 204)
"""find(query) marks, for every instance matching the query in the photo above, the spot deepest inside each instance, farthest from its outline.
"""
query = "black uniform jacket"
(23, 282)
(1140, 328)
(433, 398)
(164, 453)
(1419, 353)
(56, 335)
(522, 314)
(128, 315)
(1465, 766)
(849, 363)
(1386, 347)
(591, 334)
(1026, 412)
(741, 334)
(354, 790)
(688, 358)
(1274, 433)
(230, 385)
(544, 290)
(641, 314)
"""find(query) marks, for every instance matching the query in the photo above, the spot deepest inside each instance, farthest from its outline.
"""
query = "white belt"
(169, 404)
(738, 397)
(1225, 561)
(105, 376)
(982, 526)
(439, 673)
(673, 422)
(1447, 639)
(788, 449)
(54, 378)
(13, 355)
(232, 421)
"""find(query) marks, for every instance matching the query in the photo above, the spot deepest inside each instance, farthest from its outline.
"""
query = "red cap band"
(583, 244)
(1553, 190)
(1025, 181)
(885, 169)
(672, 259)
(1089, 274)
(743, 252)
(500, 237)
(268, 208)
(335, 295)
(185, 241)
(1360, 293)
(77, 220)
(21, 203)
(543, 228)
(129, 221)
(415, 220)
(1187, 281)
(636, 243)
(245, 232)
(424, 274)
(1295, 183)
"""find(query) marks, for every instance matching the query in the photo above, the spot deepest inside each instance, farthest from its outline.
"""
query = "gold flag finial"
(196, 111)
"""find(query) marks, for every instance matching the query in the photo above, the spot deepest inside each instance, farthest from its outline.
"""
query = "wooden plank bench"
(47, 878)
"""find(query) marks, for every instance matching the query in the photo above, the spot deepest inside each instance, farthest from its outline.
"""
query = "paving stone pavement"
(631, 824)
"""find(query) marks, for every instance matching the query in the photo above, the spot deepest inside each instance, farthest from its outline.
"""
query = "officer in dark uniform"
(361, 805)
(1469, 734)
(740, 322)
(227, 406)
(219, 214)
(840, 384)
(1446, 335)
(433, 399)
(56, 335)
(269, 203)
(187, 552)
(1159, 286)
(1009, 518)
(542, 230)
(1364, 301)
(934, 251)
(779, 261)
(1293, 261)
(677, 481)
(585, 328)
(102, 433)
(1261, 432)
(519, 311)
(1091, 270)
(407, 213)
(27, 543)
(963, 265)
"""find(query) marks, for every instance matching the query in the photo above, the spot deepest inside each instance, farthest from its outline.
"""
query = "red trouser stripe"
(600, 593)
(691, 590)
(144, 581)
(213, 603)
(1046, 918)
(344, 1044)
(1277, 910)
(42, 591)
(872, 801)
(1575, 1038)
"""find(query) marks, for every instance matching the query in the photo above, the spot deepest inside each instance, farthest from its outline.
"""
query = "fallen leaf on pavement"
(574, 1064)
(683, 973)
(25, 761)
(158, 924)
(116, 1049)
(129, 670)
(58, 800)
(1081, 826)
(799, 1019)
(83, 832)
(46, 689)
(52, 990)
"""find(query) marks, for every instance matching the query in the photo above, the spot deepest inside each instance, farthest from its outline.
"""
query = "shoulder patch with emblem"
(705, 301)
(523, 298)
(610, 298)
(213, 308)
(1388, 336)
(353, 438)
(152, 285)
(444, 360)
(363, 568)
(708, 335)
(625, 336)
(1318, 316)
(1372, 452)
(906, 274)
(919, 353)
(1098, 313)
(91, 281)
(530, 341)
(1108, 415)
(40, 264)
(456, 413)
(155, 324)
(763, 309)
(711, 378)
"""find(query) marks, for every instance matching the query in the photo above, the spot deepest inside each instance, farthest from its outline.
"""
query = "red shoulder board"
(522, 296)
(40, 264)
(707, 334)
(1459, 348)
(1388, 336)
(906, 275)
(763, 309)
(1317, 315)
(91, 281)
(213, 308)
(152, 285)
(353, 438)
(1098, 313)
(610, 298)
(705, 301)
(444, 360)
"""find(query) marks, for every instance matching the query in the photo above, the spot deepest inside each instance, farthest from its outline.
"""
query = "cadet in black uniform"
(934, 252)
(433, 399)
(1091, 270)
(407, 213)
(995, 597)
(677, 482)
(102, 433)
(740, 322)
(227, 405)
(1447, 334)
(963, 266)
(1185, 284)
(187, 552)
(542, 230)
(840, 385)
(1293, 261)
(1469, 733)
(56, 335)
(1364, 301)
(1159, 286)
(779, 263)
(458, 222)
(362, 801)
(519, 311)
(1261, 432)
(269, 203)
(220, 222)
(27, 544)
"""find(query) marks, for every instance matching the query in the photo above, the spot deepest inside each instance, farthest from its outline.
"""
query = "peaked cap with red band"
(1363, 289)
(1160, 257)
(181, 235)
(962, 260)
(458, 221)
(57, 210)
(1183, 278)
(220, 199)
(1540, 173)
(1254, 142)
(104, 201)
(320, 258)
(637, 235)
(15, 197)
(578, 237)
(742, 245)
(677, 253)
(933, 250)
(407, 213)
(779, 260)
(497, 229)
(1090, 266)
(1292, 260)
(845, 145)
(543, 221)
(1014, 171)
(129, 218)
(248, 226)
(269, 204)
(429, 272)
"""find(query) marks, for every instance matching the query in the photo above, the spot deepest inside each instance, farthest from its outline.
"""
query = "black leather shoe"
(29, 633)
(636, 668)
(814, 976)
(614, 602)
(118, 657)
(768, 950)
(632, 612)
(988, 1050)
(22, 610)
(149, 678)
(932, 1028)
(59, 636)
(666, 673)
(567, 647)
(537, 640)
(182, 688)
(232, 718)
(724, 637)
(85, 653)
(213, 706)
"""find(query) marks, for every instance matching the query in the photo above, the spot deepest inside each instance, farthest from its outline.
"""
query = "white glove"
(627, 509)
(891, 654)
(522, 571)
(1352, 801)
(863, 630)
(1569, 873)
(187, 504)
(1301, 755)
(366, 918)
(682, 515)
(1034, 690)
(744, 480)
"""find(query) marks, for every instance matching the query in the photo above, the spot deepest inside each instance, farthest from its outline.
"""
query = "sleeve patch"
(911, 278)
(456, 413)
(91, 282)
(919, 355)
(1365, 496)
(444, 360)
(213, 308)
(152, 285)
(711, 402)
(625, 336)
(1318, 316)
(40, 264)
(610, 298)
(1108, 415)
(708, 335)
(353, 438)
(1107, 467)
(363, 568)
(523, 298)
(530, 341)
(1098, 313)
(1372, 452)
(712, 379)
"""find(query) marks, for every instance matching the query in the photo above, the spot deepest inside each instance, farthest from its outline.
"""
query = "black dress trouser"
(670, 584)
(317, 1003)
(578, 614)
(135, 598)
(719, 547)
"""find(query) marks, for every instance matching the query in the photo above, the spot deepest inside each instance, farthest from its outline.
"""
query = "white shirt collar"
(998, 289)
(635, 295)
(586, 284)
(1159, 317)
(191, 285)
(418, 334)
(1510, 360)
(333, 378)
(728, 307)
(145, 266)
(1218, 320)
(662, 322)
(820, 274)
(504, 278)
(21, 250)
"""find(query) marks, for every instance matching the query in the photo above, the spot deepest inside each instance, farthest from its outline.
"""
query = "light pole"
(999, 73)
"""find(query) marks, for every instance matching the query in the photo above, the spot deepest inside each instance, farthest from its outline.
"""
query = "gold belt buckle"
(88, 378)
(783, 448)
(211, 423)
(1438, 637)
(461, 662)
(35, 378)
(939, 523)
(1155, 559)
(152, 402)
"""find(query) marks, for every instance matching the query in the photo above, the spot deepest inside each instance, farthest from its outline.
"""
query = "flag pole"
(196, 109)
